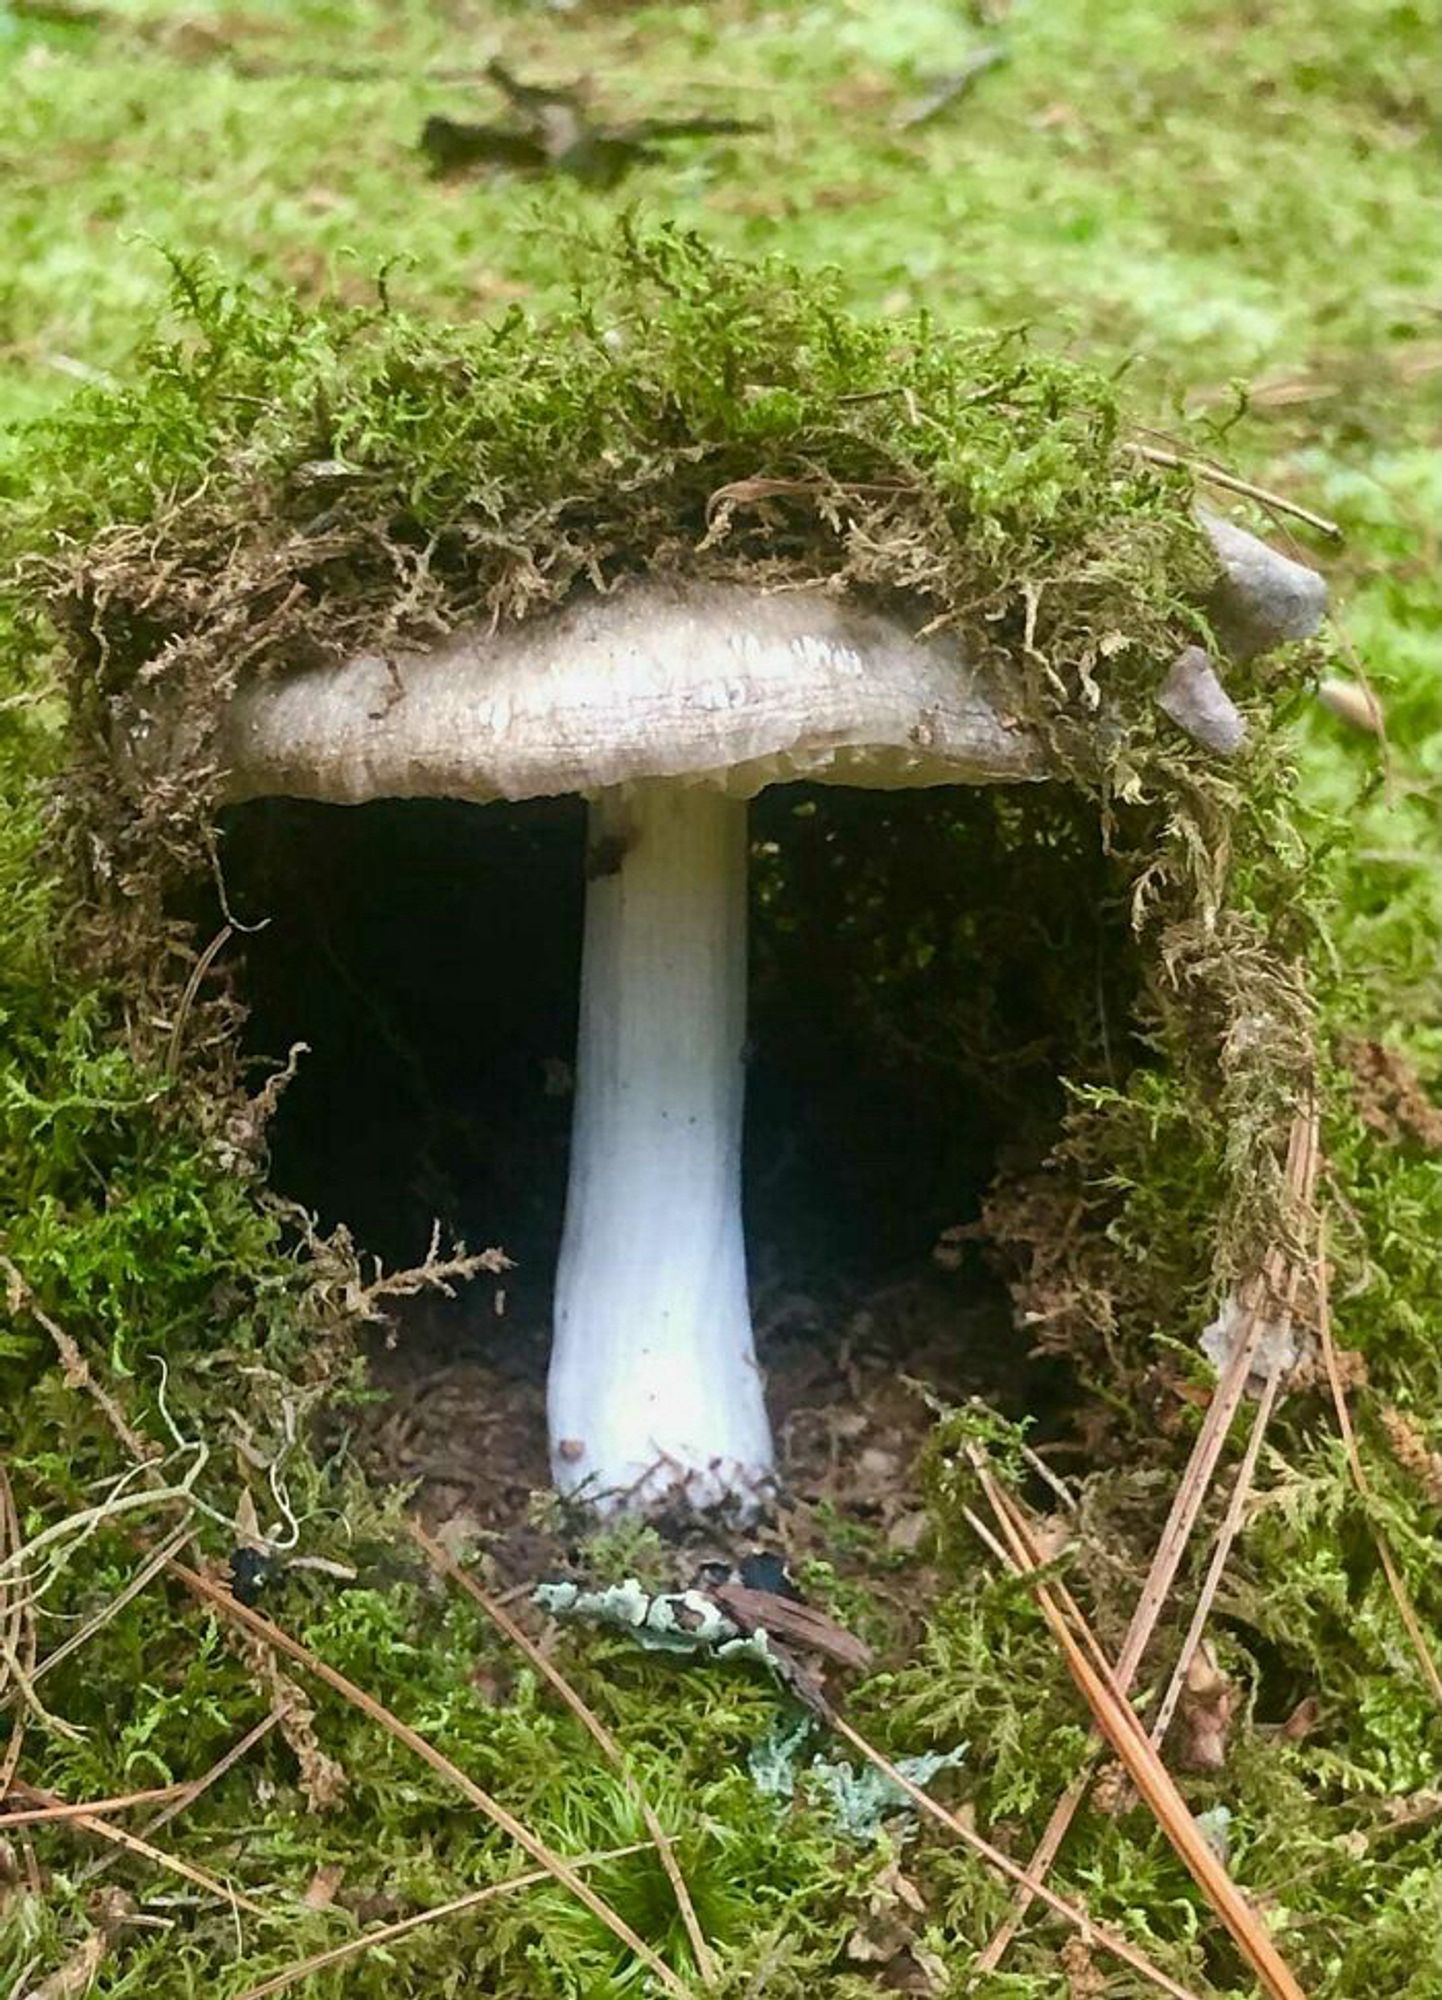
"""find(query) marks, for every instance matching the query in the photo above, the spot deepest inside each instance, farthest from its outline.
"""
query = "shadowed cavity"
(925, 966)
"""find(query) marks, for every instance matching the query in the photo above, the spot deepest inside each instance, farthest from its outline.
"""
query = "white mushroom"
(667, 705)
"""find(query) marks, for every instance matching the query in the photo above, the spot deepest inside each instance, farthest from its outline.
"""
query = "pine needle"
(265, 1628)
(1118, 1722)
(443, 1561)
(44, 1815)
(388, 1933)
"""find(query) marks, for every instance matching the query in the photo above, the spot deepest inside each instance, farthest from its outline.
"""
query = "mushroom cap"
(709, 683)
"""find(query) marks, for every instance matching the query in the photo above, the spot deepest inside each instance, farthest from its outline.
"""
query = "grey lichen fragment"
(1196, 701)
(860, 1801)
(1262, 598)
(678, 1621)
(1280, 1346)
(1215, 1827)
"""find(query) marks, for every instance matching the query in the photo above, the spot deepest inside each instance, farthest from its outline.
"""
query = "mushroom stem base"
(654, 1390)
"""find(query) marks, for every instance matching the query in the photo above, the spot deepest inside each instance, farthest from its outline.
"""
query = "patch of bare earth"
(851, 1385)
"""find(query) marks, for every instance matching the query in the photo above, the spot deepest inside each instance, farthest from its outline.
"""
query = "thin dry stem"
(443, 1561)
(265, 1628)
(387, 1933)
(1214, 475)
(1280, 1275)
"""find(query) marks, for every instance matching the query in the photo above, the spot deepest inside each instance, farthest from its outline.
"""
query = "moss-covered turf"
(1232, 210)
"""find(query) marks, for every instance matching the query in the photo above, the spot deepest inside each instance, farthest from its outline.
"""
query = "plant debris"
(554, 132)
(944, 92)
(1390, 1096)
(1205, 1713)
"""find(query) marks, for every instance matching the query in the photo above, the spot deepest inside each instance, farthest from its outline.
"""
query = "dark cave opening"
(925, 966)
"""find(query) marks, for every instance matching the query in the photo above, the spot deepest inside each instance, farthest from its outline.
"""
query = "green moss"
(388, 477)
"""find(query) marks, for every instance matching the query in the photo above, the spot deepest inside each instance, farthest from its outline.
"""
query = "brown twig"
(96, 1808)
(1214, 475)
(265, 1628)
(136, 1845)
(1282, 1275)
(1395, 1582)
(1221, 1553)
(1094, 1932)
(1114, 1716)
(192, 1790)
(442, 1560)
(388, 1933)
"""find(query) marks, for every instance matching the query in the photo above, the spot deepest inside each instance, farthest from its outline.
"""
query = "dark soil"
(851, 1393)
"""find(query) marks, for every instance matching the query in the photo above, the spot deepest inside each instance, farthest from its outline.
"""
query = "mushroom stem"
(654, 1385)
